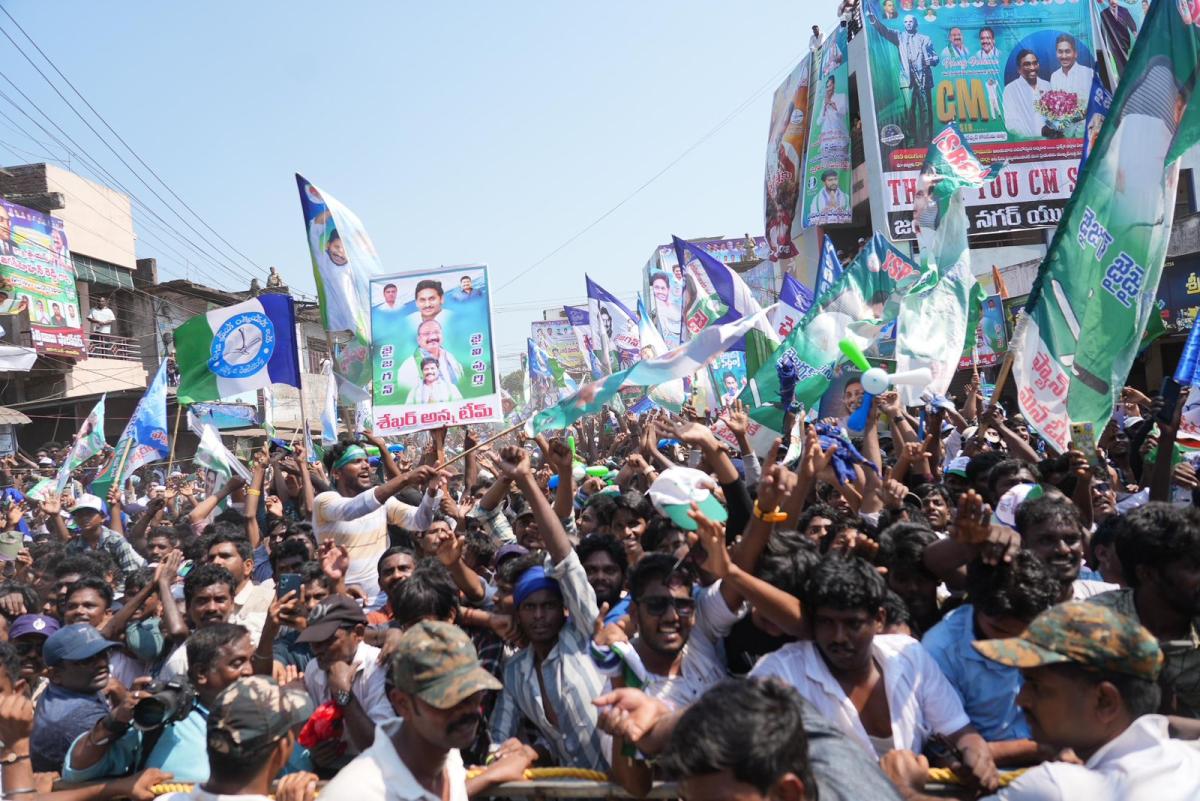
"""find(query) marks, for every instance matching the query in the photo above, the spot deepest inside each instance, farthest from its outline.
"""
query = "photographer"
(165, 729)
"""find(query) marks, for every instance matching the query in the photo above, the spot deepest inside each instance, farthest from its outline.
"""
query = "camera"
(167, 702)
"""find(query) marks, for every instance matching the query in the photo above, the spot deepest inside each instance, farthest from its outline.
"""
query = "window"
(318, 351)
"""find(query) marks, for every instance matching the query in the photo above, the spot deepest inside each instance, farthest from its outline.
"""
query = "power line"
(98, 135)
(712, 132)
(120, 139)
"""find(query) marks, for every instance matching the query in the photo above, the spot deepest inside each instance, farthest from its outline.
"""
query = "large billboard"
(1015, 77)
(36, 274)
(432, 350)
(827, 165)
(557, 339)
(786, 146)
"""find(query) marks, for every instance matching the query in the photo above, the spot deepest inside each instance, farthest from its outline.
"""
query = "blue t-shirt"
(988, 689)
(60, 717)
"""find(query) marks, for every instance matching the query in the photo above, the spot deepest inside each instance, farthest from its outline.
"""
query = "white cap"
(88, 502)
(676, 488)
(1006, 509)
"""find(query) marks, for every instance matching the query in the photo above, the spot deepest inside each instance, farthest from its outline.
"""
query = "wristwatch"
(11, 758)
(341, 698)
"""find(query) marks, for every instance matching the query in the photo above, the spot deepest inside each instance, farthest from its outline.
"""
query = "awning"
(12, 417)
(100, 273)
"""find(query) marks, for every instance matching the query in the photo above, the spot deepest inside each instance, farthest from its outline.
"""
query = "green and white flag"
(856, 307)
(938, 319)
(1094, 295)
(237, 348)
(213, 456)
(89, 443)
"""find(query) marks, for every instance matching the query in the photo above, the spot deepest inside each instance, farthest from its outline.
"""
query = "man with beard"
(1050, 527)
(1158, 546)
(355, 514)
(884, 691)
(435, 687)
(605, 562)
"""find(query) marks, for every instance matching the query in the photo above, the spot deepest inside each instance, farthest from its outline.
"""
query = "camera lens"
(150, 713)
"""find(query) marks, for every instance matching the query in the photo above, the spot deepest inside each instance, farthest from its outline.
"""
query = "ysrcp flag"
(939, 318)
(614, 328)
(329, 409)
(672, 394)
(1095, 291)
(343, 259)
(237, 348)
(213, 456)
(145, 436)
(795, 299)
(688, 359)
(723, 297)
(88, 443)
(857, 307)
(829, 270)
(543, 388)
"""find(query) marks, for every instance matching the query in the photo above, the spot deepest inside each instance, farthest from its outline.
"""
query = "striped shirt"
(127, 559)
(359, 524)
(570, 677)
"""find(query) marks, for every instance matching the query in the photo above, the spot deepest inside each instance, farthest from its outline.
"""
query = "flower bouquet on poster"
(432, 356)
(1062, 109)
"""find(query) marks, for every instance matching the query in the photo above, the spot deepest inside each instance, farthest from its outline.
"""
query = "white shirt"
(103, 319)
(1078, 80)
(1141, 764)
(359, 524)
(198, 794)
(1082, 589)
(378, 774)
(1019, 114)
(251, 605)
(367, 686)
(702, 664)
(920, 699)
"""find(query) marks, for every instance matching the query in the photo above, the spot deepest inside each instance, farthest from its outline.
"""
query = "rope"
(947, 776)
(172, 787)
(533, 774)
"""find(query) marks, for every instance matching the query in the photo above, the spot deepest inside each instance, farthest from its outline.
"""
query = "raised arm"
(514, 463)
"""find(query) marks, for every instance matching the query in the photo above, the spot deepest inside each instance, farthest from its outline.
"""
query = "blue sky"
(469, 132)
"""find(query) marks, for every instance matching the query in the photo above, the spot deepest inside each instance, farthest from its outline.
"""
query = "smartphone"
(1083, 439)
(288, 582)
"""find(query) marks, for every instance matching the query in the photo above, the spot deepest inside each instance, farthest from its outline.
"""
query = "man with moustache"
(430, 345)
(435, 686)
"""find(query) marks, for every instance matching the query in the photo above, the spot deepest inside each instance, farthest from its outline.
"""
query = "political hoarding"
(36, 274)
(557, 339)
(827, 165)
(432, 355)
(787, 140)
(1015, 77)
(991, 337)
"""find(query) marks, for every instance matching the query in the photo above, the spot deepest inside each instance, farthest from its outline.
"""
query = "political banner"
(579, 318)
(36, 274)
(1096, 290)
(827, 184)
(432, 354)
(1015, 77)
(226, 416)
(991, 336)
(1098, 104)
(794, 302)
(557, 339)
(728, 376)
(1119, 23)
(787, 140)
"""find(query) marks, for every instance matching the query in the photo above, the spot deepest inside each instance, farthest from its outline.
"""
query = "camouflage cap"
(436, 662)
(1084, 634)
(252, 714)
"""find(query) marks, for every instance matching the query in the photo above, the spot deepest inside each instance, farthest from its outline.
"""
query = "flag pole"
(174, 435)
(119, 484)
(487, 441)
(346, 421)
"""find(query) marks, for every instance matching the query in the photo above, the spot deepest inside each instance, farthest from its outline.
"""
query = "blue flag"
(829, 270)
(1097, 109)
(144, 439)
(614, 328)
(578, 317)
(795, 294)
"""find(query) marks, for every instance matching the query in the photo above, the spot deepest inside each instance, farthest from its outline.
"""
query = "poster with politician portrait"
(432, 357)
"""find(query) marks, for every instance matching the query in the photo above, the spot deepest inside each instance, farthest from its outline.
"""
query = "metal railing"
(111, 346)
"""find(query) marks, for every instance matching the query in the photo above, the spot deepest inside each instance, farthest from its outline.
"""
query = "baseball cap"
(335, 612)
(1006, 507)
(673, 492)
(506, 552)
(253, 714)
(436, 662)
(88, 502)
(74, 643)
(46, 461)
(958, 466)
(33, 624)
(1085, 634)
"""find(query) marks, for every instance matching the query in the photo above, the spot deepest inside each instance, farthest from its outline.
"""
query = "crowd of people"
(636, 597)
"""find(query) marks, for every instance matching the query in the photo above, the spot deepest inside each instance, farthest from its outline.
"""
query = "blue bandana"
(533, 580)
